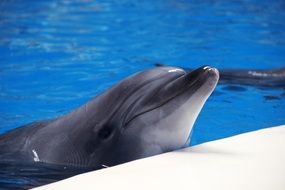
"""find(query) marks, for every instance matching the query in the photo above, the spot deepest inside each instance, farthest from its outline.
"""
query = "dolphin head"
(148, 113)
(151, 112)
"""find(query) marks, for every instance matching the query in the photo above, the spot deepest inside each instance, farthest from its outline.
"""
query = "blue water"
(56, 55)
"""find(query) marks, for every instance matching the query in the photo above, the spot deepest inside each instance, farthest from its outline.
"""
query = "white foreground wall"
(251, 161)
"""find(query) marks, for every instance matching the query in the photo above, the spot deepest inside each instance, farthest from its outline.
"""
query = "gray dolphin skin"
(274, 78)
(148, 113)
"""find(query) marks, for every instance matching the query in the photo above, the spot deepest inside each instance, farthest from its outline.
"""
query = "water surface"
(56, 55)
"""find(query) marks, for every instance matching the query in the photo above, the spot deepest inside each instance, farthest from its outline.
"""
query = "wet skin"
(148, 113)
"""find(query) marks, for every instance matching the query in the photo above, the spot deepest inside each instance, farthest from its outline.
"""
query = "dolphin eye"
(105, 133)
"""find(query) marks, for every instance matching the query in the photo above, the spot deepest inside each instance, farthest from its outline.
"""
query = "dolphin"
(148, 113)
(273, 78)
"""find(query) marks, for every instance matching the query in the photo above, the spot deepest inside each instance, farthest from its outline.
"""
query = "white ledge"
(249, 161)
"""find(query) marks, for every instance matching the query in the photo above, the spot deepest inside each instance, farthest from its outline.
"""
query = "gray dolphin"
(273, 78)
(148, 113)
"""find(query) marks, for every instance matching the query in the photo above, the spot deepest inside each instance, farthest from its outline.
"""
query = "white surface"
(251, 161)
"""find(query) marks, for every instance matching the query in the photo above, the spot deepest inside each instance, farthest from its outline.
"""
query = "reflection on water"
(55, 55)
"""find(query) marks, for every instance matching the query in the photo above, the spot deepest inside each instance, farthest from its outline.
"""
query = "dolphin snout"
(204, 71)
(213, 72)
(213, 75)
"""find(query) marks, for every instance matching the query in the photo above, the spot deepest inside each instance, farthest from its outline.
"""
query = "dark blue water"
(56, 55)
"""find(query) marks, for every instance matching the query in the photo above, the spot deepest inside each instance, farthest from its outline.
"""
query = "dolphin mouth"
(192, 80)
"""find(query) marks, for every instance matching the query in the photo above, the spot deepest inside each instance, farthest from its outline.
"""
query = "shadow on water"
(18, 176)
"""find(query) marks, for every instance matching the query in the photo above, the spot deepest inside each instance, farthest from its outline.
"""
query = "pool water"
(56, 55)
